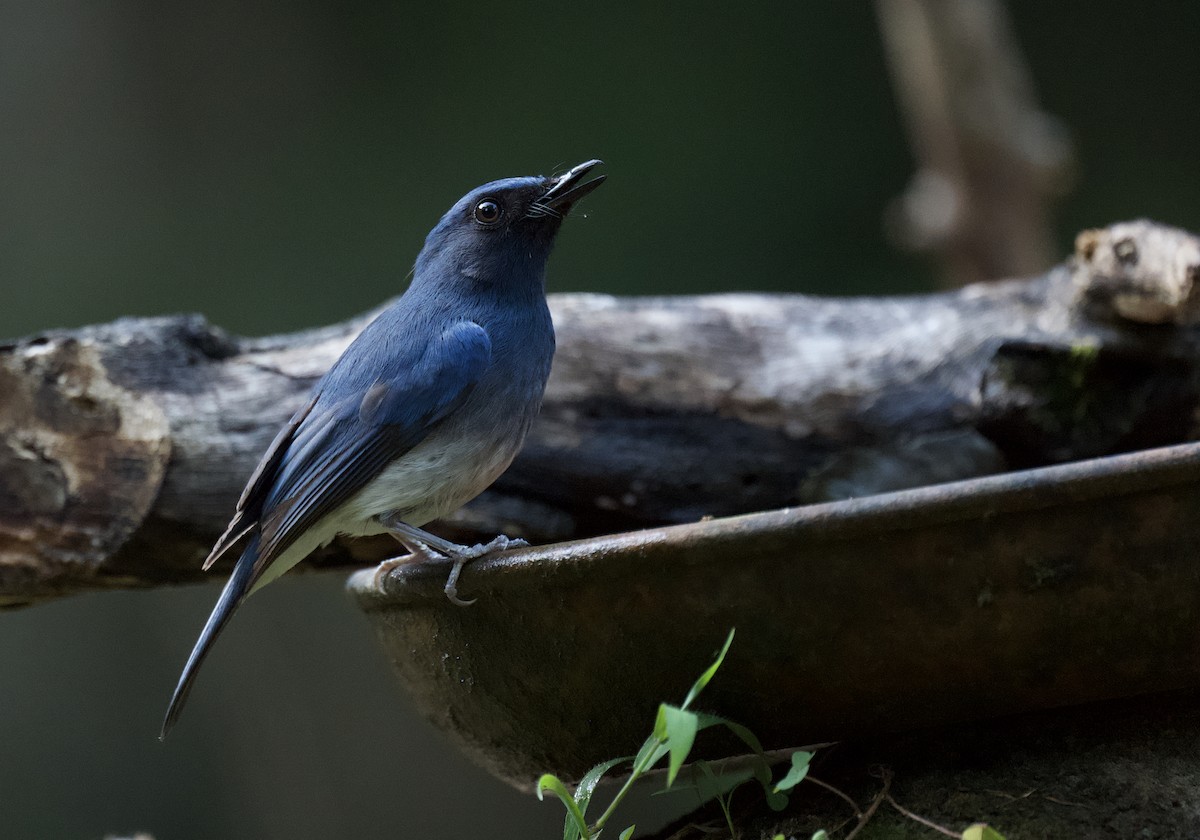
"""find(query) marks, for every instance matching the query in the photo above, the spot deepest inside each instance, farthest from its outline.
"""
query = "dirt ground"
(1128, 769)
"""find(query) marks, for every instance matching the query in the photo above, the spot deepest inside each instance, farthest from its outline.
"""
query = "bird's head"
(502, 232)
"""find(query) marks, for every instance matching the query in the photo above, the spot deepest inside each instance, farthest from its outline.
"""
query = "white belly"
(436, 478)
(433, 479)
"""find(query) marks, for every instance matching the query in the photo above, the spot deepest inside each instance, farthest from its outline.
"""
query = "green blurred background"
(276, 166)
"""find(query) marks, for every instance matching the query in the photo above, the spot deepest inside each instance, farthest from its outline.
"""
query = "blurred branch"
(990, 162)
(124, 446)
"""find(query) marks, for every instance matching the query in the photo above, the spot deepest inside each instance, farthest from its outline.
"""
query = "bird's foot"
(466, 555)
(385, 568)
(418, 552)
(501, 543)
(423, 546)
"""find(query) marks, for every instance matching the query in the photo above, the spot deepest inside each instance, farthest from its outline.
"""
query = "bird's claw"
(451, 588)
(386, 567)
(461, 558)
(420, 551)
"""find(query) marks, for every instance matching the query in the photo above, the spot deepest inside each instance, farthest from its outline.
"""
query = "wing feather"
(347, 440)
(245, 517)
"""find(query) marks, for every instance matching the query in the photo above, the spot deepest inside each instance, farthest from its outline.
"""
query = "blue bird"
(424, 410)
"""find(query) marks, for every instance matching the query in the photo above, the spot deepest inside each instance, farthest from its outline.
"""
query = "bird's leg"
(418, 552)
(423, 546)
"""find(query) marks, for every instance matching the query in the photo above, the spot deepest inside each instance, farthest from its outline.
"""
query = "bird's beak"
(569, 188)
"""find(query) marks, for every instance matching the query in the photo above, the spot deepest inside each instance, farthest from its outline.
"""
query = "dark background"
(277, 166)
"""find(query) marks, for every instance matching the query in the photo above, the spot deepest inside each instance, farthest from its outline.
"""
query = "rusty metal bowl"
(962, 601)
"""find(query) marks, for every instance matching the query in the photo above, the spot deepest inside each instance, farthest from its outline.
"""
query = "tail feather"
(232, 595)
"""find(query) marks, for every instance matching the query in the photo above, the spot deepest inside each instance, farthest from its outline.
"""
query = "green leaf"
(708, 721)
(652, 750)
(776, 801)
(678, 728)
(747, 737)
(627, 833)
(981, 831)
(721, 799)
(796, 774)
(576, 825)
(583, 791)
(761, 767)
(710, 784)
(708, 674)
(821, 835)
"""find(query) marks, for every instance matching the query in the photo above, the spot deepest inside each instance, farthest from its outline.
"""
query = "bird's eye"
(487, 212)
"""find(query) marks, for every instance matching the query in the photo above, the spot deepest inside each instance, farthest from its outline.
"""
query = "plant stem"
(873, 807)
(836, 792)
(922, 820)
(638, 769)
(721, 800)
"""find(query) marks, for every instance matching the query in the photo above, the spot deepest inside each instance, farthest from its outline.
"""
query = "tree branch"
(991, 163)
(123, 447)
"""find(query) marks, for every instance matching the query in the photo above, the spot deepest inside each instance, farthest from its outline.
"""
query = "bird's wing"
(246, 515)
(340, 445)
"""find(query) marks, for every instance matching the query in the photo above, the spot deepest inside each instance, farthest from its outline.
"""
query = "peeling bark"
(124, 446)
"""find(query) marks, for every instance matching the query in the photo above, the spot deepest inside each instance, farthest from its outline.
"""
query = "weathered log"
(124, 446)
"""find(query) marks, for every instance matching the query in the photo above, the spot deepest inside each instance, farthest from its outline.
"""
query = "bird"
(421, 413)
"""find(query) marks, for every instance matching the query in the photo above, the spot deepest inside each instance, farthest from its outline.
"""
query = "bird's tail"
(232, 595)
